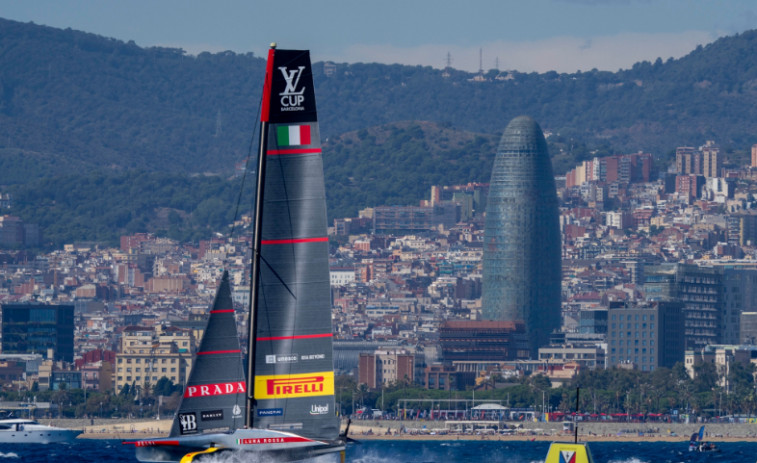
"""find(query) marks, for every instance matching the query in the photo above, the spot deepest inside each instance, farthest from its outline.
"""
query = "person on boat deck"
(704, 446)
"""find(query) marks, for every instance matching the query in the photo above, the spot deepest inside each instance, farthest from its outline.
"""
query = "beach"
(546, 431)
(435, 430)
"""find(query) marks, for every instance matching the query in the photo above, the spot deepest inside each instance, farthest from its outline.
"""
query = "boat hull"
(279, 445)
(38, 435)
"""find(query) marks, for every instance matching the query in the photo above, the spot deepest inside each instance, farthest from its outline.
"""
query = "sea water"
(391, 451)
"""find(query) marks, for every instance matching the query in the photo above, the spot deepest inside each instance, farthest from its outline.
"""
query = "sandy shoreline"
(433, 430)
(587, 432)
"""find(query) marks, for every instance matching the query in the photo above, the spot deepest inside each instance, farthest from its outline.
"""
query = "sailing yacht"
(283, 404)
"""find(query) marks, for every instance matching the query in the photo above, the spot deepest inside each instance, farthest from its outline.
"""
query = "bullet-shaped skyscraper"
(522, 267)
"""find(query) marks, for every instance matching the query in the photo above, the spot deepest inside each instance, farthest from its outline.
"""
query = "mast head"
(273, 45)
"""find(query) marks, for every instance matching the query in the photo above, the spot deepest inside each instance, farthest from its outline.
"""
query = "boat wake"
(629, 460)
(8, 455)
(252, 457)
(375, 457)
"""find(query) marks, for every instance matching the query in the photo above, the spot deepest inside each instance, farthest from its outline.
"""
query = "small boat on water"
(25, 431)
(697, 443)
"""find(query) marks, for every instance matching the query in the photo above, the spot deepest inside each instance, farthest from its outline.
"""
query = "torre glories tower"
(522, 268)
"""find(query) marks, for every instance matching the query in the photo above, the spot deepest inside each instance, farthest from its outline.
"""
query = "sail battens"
(300, 336)
(212, 394)
(217, 352)
(286, 400)
(294, 151)
(293, 336)
(318, 239)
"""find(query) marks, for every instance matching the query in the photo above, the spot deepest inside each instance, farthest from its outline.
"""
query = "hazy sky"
(525, 35)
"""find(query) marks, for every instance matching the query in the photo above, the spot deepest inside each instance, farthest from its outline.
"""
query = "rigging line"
(241, 369)
(246, 167)
(278, 277)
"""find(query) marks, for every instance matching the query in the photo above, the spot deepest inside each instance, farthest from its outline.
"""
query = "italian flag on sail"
(293, 135)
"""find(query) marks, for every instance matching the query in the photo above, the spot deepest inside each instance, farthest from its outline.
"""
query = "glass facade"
(522, 258)
(34, 328)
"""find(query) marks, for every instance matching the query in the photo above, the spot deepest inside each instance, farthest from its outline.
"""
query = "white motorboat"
(25, 431)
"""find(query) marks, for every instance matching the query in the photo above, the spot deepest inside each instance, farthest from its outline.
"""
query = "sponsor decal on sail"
(319, 409)
(188, 423)
(270, 412)
(211, 415)
(300, 385)
(293, 135)
(270, 359)
(209, 390)
(292, 98)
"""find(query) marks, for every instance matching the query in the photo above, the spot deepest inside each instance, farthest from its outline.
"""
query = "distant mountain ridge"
(102, 103)
(73, 103)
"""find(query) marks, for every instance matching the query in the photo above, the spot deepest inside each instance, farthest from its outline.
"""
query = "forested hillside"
(74, 104)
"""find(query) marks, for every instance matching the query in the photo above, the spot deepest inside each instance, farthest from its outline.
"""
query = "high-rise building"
(646, 336)
(521, 263)
(688, 161)
(713, 297)
(712, 161)
(37, 328)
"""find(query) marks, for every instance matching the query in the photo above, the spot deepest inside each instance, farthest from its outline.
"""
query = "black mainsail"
(214, 396)
(286, 405)
(293, 366)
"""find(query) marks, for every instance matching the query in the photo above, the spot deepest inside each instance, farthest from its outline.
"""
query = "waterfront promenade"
(435, 430)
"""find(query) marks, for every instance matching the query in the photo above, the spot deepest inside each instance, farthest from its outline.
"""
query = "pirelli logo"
(288, 386)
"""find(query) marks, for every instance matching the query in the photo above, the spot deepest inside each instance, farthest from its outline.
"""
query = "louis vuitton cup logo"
(291, 98)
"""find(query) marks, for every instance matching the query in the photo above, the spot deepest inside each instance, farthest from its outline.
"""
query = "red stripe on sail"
(216, 352)
(222, 311)
(265, 110)
(294, 151)
(301, 336)
(297, 240)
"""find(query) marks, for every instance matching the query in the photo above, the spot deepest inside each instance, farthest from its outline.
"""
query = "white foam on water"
(252, 457)
(629, 460)
(8, 455)
(374, 457)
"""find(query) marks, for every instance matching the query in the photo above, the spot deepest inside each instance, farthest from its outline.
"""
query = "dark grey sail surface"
(214, 397)
(294, 373)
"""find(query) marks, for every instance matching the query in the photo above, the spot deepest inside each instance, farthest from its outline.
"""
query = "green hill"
(74, 105)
